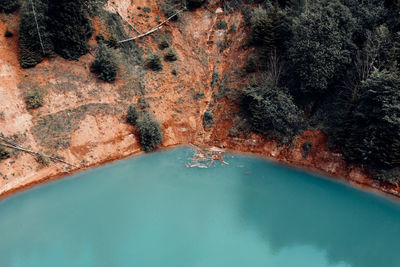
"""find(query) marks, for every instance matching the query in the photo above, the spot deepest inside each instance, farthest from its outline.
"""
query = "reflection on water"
(153, 211)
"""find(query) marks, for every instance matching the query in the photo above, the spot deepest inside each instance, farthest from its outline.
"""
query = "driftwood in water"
(206, 157)
(11, 145)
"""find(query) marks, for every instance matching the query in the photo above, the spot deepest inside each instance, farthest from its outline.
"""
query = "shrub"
(222, 24)
(208, 118)
(163, 44)
(34, 99)
(270, 110)
(170, 7)
(142, 103)
(105, 63)
(132, 115)
(170, 55)
(192, 4)
(146, 9)
(43, 159)
(9, 6)
(4, 154)
(8, 33)
(307, 146)
(153, 62)
(150, 132)
(251, 63)
(174, 72)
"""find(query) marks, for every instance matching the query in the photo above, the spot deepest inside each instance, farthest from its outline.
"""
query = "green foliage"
(8, 33)
(266, 27)
(9, 6)
(170, 55)
(31, 51)
(150, 132)
(4, 154)
(70, 26)
(214, 79)
(221, 25)
(63, 27)
(153, 62)
(208, 118)
(34, 99)
(371, 132)
(105, 63)
(320, 46)
(170, 7)
(192, 4)
(251, 63)
(164, 43)
(307, 146)
(146, 9)
(132, 114)
(270, 110)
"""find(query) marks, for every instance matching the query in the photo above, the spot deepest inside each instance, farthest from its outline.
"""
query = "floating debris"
(206, 157)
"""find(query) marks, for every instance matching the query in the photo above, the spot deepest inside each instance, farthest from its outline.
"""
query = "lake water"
(153, 211)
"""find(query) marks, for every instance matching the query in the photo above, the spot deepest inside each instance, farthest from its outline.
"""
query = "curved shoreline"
(296, 165)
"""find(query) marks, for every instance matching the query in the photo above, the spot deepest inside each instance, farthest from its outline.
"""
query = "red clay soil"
(101, 135)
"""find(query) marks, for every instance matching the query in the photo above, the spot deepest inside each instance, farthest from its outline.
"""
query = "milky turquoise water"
(152, 211)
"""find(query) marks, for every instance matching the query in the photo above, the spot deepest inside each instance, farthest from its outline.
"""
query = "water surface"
(152, 211)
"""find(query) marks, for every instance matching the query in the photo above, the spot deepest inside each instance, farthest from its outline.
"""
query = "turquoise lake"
(151, 210)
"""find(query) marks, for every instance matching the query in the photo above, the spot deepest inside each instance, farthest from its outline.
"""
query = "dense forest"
(331, 65)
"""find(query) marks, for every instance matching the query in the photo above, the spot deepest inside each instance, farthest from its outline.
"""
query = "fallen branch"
(159, 26)
(36, 154)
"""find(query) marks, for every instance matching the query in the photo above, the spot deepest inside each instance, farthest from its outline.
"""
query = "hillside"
(83, 119)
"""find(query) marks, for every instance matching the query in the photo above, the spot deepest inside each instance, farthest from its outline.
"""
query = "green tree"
(70, 27)
(150, 132)
(266, 27)
(34, 39)
(8, 6)
(271, 110)
(320, 47)
(371, 133)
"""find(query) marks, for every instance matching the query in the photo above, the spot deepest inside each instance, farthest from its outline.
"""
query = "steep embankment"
(83, 119)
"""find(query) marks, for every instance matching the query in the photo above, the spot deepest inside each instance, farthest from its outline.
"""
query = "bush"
(251, 63)
(34, 99)
(153, 62)
(170, 7)
(208, 118)
(9, 6)
(132, 115)
(222, 24)
(271, 111)
(192, 4)
(307, 146)
(4, 154)
(163, 44)
(149, 131)
(8, 33)
(170, 55)
(105, 63)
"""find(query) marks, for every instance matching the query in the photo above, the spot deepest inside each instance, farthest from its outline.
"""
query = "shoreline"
(369, 187)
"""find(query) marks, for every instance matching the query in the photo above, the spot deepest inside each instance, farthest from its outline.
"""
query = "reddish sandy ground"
(101, 135)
